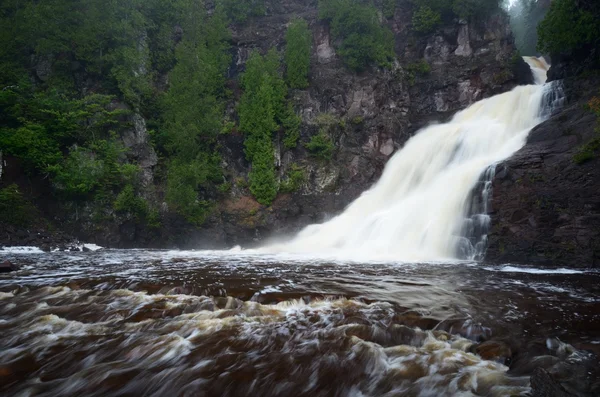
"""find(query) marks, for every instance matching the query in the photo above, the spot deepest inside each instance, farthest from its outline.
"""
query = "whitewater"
(418, 209)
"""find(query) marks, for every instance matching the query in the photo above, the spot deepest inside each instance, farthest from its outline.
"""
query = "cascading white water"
(417, 210)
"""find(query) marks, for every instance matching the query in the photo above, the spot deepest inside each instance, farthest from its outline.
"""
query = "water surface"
(210, 323)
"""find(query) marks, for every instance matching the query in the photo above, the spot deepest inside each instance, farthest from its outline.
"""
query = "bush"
(291, 123)
(294, 179)
(131, 205)
(363, 40)
(185, 179)
(388, 8)
(568, 26)
(14, 209)
(240, 10)
(297, 53)
(420, 68)
(425, 20)
(320, 146)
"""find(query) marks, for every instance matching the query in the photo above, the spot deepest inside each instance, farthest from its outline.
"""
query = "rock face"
(373, 113)
(369, 116)
(546, 207)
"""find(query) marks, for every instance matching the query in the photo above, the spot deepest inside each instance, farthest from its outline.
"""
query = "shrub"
(567, 26)
(364, 41)
(263, 182)
(388, 8)
(425, 20)
(320, 146)
(129, 204)
(297, 53)
(294, 179)
(14, 209)
(413, 70)
(240, 10)
(291, 123)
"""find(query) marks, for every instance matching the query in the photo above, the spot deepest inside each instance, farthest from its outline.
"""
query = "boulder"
(7, 267)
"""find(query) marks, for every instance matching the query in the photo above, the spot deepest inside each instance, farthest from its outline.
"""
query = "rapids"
(371, 303)
(157, 323)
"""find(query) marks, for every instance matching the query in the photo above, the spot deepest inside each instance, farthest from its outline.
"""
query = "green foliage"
(429, 14)
(131, 205)
(588, 151)
(297, 53)
(240, 10)
(364, 41)
(185, 180)
(326, 120)
(294, 179)
(291, 123)
(357, 120)
(194, 109)
(568, 26)
(388, 7)
(14, 208)
(425, 20)
(262, 109)
(320, 146)
(420, 68)
(263, 181)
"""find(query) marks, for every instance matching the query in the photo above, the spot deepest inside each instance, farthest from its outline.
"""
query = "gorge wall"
(373, 114)
(368, 116)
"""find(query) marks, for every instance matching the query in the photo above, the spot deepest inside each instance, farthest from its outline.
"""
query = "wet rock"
(558, 198)
(544, 385)
(493, 351)
(7, 267)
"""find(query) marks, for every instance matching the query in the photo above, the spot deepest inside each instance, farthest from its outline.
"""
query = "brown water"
(171, 323)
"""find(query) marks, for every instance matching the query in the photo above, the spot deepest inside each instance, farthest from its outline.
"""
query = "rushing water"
(352, 307)
(418, 208)
(131, 323)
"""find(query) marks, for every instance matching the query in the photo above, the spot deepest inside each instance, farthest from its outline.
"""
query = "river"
(210, 323)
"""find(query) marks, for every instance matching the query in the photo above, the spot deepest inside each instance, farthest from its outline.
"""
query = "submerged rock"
(7, 267)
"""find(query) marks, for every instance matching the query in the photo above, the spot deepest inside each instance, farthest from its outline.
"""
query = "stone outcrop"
(545, 206)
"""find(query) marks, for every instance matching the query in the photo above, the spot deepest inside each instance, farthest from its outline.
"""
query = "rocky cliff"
(546, 198)
(370, 115)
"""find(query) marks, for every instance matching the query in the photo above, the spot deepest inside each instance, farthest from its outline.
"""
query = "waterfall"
(423, 206)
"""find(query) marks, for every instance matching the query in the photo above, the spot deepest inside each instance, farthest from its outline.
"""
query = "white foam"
(21, 250)
(92, 247)
(532, 270)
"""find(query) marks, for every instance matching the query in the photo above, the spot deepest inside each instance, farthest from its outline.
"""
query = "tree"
(569, 26)
(364, 41)
(297, 53)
